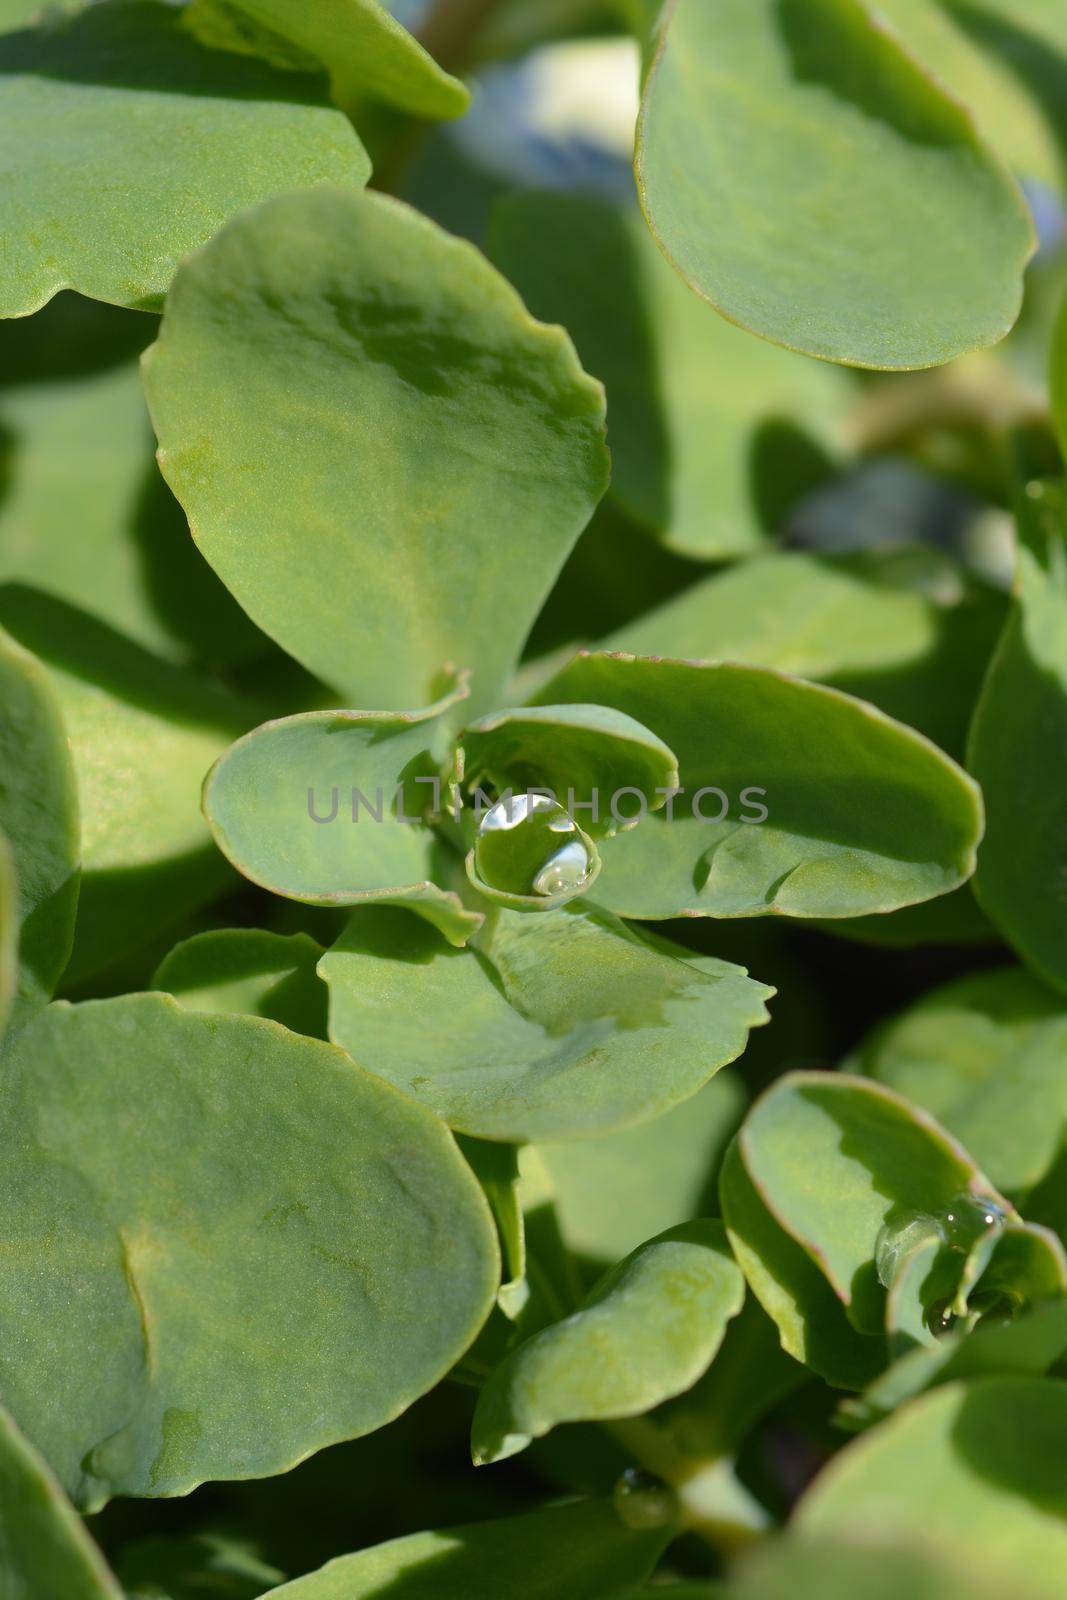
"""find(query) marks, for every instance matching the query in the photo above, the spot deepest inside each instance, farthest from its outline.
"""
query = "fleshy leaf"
(713, 433)
(986, 1055)
(9, 932)
(571, 1025)
(585, 755)
(364, 48)
(861, 814)
(309, 1217)
(781, 149)
(612, 1193)
(39, 818)
(580, 1551)
(321, 372)
(251, 972)
(645, 1333)
(142, 734)
(902, 628)
(189, 1568)
(325, 807)
(93, 209)
(978, 1466)
(44, 1547)
(1020, 760)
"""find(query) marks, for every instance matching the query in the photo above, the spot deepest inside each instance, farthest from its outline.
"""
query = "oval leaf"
(319, 436)
(249, 971)
(92, 209)
(571, 1025)
(247, 1232)
(781, 153)
(647, 1332)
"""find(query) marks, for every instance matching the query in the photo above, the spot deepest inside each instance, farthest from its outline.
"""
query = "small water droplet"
(520, 847)
(898, 1237)
(940, 1318)
(644, 1501)
(969, 1216)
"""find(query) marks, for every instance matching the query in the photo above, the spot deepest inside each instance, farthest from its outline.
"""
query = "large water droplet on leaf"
(898, 1237)
(644, 1501)
(527, 844)
(968, 1217)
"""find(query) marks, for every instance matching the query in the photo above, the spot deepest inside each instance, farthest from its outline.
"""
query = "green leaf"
(249, 971)
(713, 433)
(571, 1025)
(1020, 760)
(39, 820)
(647, 1332)
(9, 932)
(247, 1232)
(496, 1166)
(142, 734)
(192, 1568)
(326, 807)
(862, 1560)
(902, 628)
(612, 1193)
(862, 814)
(94, 209)
(585, 755)
(81, 455)
(976, 1466)
(365, 49)
(383, 456)
(782, 149)
(44, 1548)
(581, 1551)
(987, 1056)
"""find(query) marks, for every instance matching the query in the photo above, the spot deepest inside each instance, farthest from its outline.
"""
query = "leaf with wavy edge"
(646, 1332)
(383, 456)
(247, 1234)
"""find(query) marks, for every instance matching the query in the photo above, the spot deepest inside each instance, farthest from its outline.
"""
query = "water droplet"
(969, 1216)
(520, 847)
(644, 1501)
(940, 1317)
(898, 1237)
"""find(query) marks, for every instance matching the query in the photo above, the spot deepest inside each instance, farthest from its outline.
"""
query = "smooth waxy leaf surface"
(781, 150)
(142, 732)
(647, 1332)
(709, 427)
(39, 819)
(366, 51)
(1020, 760)
(44, 1548)
(901, 628)
(571, 1025)
(586, 755)
(612, 1193)
(92, 208)
(249, 971)
(381, 453)
(858, 1561)
(977, 1466)
(81, 458)
(325, 807)
(862, 814)
(248, 1232)
(581, 1551)
(987, 1056)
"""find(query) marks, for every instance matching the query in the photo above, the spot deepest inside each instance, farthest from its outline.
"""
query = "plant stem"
(451, 30)
(712, 1500)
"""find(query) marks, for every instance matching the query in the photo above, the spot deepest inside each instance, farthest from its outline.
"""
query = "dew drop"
(644, 1501)
(940, 1318)
(898, 1237)
(969, 1216)
(527, 844)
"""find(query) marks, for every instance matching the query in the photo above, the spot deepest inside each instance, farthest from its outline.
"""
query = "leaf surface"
(44, 1547)
(249, 971)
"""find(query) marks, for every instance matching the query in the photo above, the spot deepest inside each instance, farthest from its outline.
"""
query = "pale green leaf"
(860, 814)
(806, 176)
(580, 1551)
(571, 1025)
(383, 456)
(645, 1333)
(713, 433)
(249, 971)
(44, 1548)
(94, 207)
(248, 1236)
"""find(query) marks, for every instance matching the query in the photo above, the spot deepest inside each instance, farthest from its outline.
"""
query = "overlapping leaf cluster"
(533, 662)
